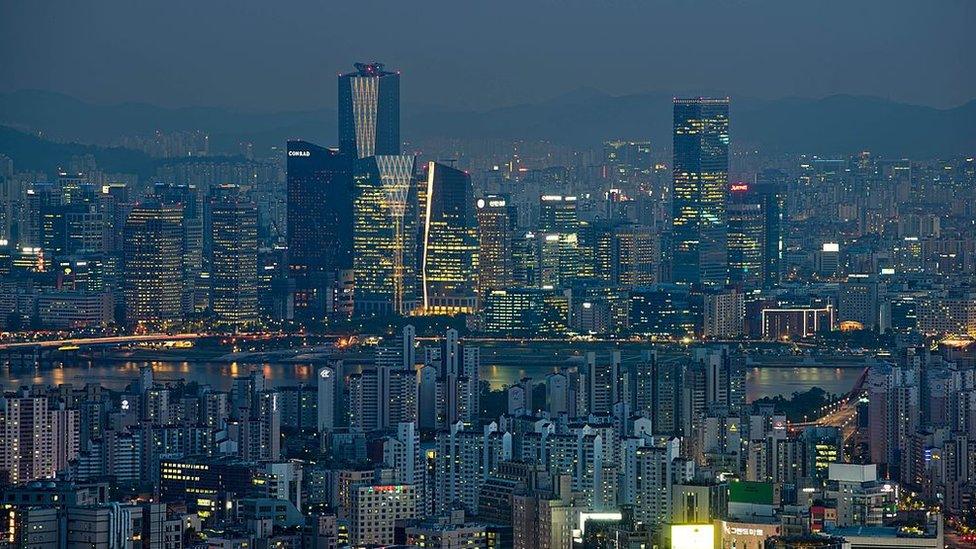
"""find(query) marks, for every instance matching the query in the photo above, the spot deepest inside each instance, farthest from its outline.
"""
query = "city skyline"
(666, 321)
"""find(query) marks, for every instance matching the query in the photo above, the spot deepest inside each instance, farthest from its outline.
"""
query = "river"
(497, 370)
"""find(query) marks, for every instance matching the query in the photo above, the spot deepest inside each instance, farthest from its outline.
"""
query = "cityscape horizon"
(583, 320)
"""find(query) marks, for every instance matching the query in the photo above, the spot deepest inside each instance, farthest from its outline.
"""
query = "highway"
(112, 340)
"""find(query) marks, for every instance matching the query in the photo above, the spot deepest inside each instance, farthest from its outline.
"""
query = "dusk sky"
(260, 55)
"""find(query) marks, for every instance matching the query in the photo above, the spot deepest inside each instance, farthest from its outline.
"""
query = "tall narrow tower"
(701, 173)
(369, 111)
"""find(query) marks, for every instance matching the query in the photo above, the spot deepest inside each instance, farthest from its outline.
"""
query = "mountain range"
(585, 117)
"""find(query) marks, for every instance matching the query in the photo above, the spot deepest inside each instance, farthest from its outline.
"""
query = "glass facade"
(320, 223)
(385, 235)
(496, 226)
(450, 242)
(700, 173)
(369, 111)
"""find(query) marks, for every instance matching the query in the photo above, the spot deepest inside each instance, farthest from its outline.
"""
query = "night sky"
(284, 55)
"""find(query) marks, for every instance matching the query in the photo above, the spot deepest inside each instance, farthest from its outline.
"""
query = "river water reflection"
(760, 382)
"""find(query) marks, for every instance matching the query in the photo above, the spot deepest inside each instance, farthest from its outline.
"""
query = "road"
(113, 340)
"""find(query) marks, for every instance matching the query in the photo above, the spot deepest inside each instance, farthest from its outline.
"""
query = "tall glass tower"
(701, 173)
(450, 242)
(369, 111)
(320, 201)
(385, 235)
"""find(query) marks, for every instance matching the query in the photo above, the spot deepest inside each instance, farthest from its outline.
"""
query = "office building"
(635, 252)
(496, 230)
(526, 311)
(320, 227)
(153, 250)
(701, 171)
(449, 246)
(796, 322)
(234, 257)
(385, 236)
(747, 236)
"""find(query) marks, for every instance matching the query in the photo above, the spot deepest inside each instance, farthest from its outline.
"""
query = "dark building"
(771, 186)
(369, 111)
(320, 217)
(663, 310)
(204, 485)
(747, 236)
(701, 172)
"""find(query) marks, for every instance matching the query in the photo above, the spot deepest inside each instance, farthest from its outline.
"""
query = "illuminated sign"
(831, 247)
(496, 203)
(481, 202)
(386, 489)
(325, 373)
(692, 536)
(125, 404)
(748, 530)
(299, 153)
(739, 187)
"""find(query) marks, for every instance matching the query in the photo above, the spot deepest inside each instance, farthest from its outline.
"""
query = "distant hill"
(32, 153)
(585, 117)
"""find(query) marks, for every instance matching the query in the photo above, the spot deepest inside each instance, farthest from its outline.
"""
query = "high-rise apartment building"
(35, 441)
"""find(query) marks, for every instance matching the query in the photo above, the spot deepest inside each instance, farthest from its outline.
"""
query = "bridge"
(95, 341)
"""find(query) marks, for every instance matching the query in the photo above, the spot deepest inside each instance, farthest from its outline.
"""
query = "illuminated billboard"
(692, 536)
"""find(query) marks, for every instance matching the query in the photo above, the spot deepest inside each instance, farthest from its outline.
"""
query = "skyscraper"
(701, 170)
(771, 186)
(190, 199)
(559, 251)
(320, 204)
(385, 235)
(369, 111)
(496, 228)
(153, 249)
(450, 242)
(747, 236)
(755, 225)
(234, 257)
